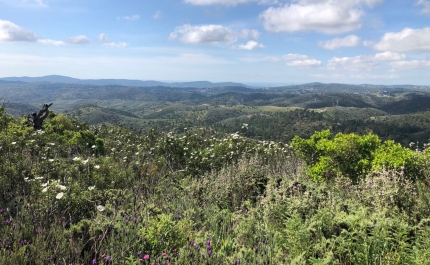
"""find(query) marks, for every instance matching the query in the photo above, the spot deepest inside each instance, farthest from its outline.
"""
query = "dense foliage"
(72, 194)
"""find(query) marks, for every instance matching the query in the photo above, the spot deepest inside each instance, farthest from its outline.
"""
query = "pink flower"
(164, 254)
(146, 256)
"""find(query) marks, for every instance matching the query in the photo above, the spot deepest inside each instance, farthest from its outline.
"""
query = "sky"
(248, 41)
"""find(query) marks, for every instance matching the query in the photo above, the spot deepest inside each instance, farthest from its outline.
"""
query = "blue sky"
(248, 41)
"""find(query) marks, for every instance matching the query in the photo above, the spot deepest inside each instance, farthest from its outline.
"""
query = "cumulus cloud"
(326, 16)
(157, 15)
(298, 60)
(250, 45)
(409, 65)
(10, 32)
(216, 34)
(133, 17)
(209, 34)
(389, 56)
(425, 4)
(406, 40)
(348, 41)
(363, 62)
(103, 39)
(81, 39)
(51, 42)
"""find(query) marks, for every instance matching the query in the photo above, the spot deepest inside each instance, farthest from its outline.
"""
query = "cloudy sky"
(249, 41)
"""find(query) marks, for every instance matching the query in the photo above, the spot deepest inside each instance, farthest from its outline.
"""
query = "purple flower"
(1, 211)
(94, 262)
(6, 222)
(139, 253)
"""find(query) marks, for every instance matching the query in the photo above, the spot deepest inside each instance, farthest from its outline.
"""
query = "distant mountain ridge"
(120, 82)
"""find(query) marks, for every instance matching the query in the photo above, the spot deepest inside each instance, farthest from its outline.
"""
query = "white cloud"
(406, 40)
(10, 32)
(298, 60)
(408, 65)
(81, 39)
(215, 34)
(250, 45)
(133, 17)
(157, 15)
(348, 41)
(363, 62)
(326, 16)
(51, 42)
(425, 4)
(357, 63)
(209, 34)
(389, 56)
(103, 38)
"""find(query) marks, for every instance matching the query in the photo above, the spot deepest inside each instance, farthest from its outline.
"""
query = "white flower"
(85, 161)
(93, 146)
(101, 208)
(45, 189)
(26, 179)
(76, 158)
(61, 187)
(97, 167)
(137, 153)
(91, 187)
(59, 195)
(13, 142)
(52, 143)
(45, 184)
(51, 160)
(38, 178)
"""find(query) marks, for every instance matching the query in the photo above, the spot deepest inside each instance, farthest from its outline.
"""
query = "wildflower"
(94, 262)
(52, 144)
(146, 256)
(6, 222)
(45, 189)
(76, 158)
(97, 167)
(51, 160)
(93, 146)
(139, 253)
(13, 142)
(100, 208)
(91, 187)
(61, 187)
(59, 195)
(85, 161)
(164, 254)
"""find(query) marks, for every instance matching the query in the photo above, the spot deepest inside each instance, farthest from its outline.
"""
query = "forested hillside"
(78, 194)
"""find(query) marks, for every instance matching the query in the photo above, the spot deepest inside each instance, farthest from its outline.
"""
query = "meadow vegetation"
(75, 194)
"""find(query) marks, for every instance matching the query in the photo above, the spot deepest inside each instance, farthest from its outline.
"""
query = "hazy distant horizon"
(247, 41)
